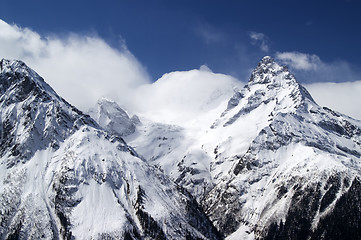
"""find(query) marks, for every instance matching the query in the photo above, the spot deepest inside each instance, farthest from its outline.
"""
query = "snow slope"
(176, 111)
(63, 176)
(209, 159)
(269, 163)
(300, 164)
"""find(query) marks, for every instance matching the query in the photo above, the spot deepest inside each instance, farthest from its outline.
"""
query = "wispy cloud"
(299, 61)
(209, 34)
(80, 68)
(259, 39)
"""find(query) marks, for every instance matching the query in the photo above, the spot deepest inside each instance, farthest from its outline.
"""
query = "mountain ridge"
(294, 121)
(65, 177)
(267, 163)
(26, 96)
(264, 130)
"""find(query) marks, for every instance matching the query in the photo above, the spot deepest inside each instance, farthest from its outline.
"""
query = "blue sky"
(227, 36)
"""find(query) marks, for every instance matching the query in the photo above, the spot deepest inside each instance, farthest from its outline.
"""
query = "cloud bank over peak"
(182, 96)
(80, 68)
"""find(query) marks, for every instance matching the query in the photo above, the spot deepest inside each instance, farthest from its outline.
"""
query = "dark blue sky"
(181, 34)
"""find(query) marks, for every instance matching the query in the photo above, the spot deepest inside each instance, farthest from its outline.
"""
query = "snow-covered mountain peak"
(266, 62)
(12, 65)
(281, 141)
(113, 118)
(33, 116)
(271, 90)
(274, 76)
(17, 75)
(64, 177)
(269, 72)
(265, 67)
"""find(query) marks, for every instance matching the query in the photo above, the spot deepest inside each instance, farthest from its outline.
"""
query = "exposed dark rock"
(332, 187)
(344, 222)
(303, 208)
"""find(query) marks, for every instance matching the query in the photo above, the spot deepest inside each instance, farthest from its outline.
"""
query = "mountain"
(262, 161)
(299, 169)
(110, 116)
(62, 176)
(269, 163)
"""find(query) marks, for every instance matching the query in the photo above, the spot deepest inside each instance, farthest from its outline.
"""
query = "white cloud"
(80, 68)
(342, 97)
(84, 68)
(259, 39)
(183, 96)
(299, 61)
(331, 84)
(310, 68)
